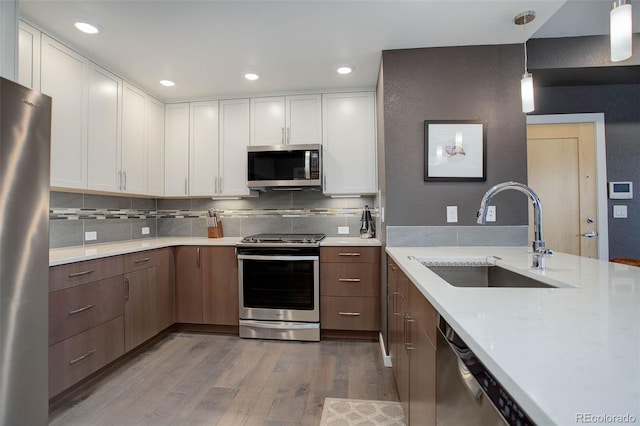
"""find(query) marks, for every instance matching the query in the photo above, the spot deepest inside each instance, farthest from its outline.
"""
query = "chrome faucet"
(539, 249)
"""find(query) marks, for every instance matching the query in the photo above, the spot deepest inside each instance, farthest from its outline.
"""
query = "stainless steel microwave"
(284, 166)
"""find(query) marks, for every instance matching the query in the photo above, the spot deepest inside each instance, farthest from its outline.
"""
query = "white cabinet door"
(64, 78)
(103, 130)
(155, 146)
(267, 121)
(176, 150)
(28, 56)
(203, 148)
(349, 143)
(286, 120)
(134, 147)
(304, 119)
(234, 139)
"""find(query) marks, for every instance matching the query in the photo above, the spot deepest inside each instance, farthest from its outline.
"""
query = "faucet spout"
(538, 244)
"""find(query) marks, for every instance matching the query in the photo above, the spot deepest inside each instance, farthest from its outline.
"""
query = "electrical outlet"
(91, 236)
(452, 213)
(145, 230)
(491, 214)
(619, 212)
(343, 230)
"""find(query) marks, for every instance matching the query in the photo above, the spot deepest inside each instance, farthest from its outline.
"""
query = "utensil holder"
(215, 232)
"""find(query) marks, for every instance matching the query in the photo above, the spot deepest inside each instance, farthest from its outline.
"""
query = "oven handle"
(278, 325)
(283, 258)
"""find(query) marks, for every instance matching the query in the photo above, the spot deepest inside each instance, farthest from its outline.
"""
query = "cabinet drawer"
(140, 260)
(77, 309)
(78, 273)
(350, 279)
(350, 313)
(350, 254)
(77, 357)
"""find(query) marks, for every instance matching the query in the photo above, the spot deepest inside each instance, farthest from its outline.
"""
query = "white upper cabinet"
(176, 150)
(203, 148)
(64, 78)
(286, 120)
(103, 130)
(349, 143)
(155, 146)
(234, 139)
(134, 144)
(29, 56)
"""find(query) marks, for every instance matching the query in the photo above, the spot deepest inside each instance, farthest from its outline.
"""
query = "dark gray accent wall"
(453, 83)
(621, 107)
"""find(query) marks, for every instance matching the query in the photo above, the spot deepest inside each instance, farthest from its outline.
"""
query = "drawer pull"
(348, 254)
(349, 280)
(349, 314)
(146, 259)
(79, 274)
(80, 358)
(77, 311)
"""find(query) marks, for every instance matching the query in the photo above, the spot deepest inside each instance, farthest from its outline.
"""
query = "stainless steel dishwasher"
(467, 394)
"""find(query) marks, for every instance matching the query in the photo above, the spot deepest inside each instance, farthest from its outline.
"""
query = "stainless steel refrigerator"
(25, 133)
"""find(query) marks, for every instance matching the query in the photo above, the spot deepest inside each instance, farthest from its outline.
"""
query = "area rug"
(348, 412)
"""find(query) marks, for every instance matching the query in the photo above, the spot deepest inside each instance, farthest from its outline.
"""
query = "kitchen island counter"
(569, 354)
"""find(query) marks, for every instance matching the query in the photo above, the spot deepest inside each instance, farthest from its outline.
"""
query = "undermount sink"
(485, 276)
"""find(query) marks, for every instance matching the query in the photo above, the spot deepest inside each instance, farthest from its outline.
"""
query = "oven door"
(279, 287)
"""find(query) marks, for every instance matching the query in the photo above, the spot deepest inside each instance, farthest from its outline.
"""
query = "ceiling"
(207, 46)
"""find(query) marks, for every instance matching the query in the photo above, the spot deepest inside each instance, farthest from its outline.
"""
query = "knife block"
(215, 232)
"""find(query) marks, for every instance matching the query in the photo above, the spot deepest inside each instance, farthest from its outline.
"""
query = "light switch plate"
(343, 230)
(452, 213)
(619, 212)
(491, 214)
(145, 230)
(91, 236)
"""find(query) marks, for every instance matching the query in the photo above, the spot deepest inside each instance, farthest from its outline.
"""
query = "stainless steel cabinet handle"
(348, 254)
(590, 234)
(287, 138)
(395, 303)
(126, 288)
(349, 314)
(215, 190)
(125, 180)
(77, 311)
(120, 180)
(79, 274)
(282, 135)
(349, 280)
(80, 358)
(220, 190)
(198, 256)
(146, 259)
(408, 345)
(186, 189)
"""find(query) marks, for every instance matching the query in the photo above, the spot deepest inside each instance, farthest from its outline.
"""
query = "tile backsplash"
(122, 218)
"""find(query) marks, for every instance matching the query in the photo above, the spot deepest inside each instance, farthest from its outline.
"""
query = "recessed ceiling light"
(167, 83)
(251, 76)
(344, 70)
(86, 28)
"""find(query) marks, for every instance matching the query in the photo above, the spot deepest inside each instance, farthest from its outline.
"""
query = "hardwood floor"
(203, 379)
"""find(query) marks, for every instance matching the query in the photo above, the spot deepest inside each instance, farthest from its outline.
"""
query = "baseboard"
(385, 358)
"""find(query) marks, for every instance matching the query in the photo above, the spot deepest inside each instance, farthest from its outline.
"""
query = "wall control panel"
(620, 190)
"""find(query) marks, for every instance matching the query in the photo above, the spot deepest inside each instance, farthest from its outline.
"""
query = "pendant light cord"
(525, 56)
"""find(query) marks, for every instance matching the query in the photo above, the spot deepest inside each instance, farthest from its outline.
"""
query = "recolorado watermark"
(605, 418)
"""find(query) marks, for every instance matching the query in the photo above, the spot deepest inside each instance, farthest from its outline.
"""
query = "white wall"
(9, 39)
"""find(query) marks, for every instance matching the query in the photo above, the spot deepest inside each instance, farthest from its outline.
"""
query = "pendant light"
(526, 83)
(621, 30)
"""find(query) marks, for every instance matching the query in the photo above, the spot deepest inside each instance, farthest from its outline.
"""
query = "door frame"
(601, 167)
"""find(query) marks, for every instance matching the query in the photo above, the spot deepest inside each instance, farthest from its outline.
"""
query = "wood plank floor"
(204, 379)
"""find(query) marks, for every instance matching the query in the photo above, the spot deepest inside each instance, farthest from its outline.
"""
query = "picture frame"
(455, 151)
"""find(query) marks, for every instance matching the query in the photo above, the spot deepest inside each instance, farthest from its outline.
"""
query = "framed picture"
(455, 151)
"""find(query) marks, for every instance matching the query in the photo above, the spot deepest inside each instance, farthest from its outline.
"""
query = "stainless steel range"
(279, 286)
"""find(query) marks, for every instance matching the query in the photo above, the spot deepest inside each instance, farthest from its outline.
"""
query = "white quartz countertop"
(61, 256)
(561, 352)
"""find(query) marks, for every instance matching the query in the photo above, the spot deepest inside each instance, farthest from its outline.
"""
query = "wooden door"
(220, 286)
(166, 289)
(140, 322)
(562, 171)
(232, 152)
(188, 284)
(267, 121)
(176, 149)
(304, 119)
(134, 146)
(203, 148)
